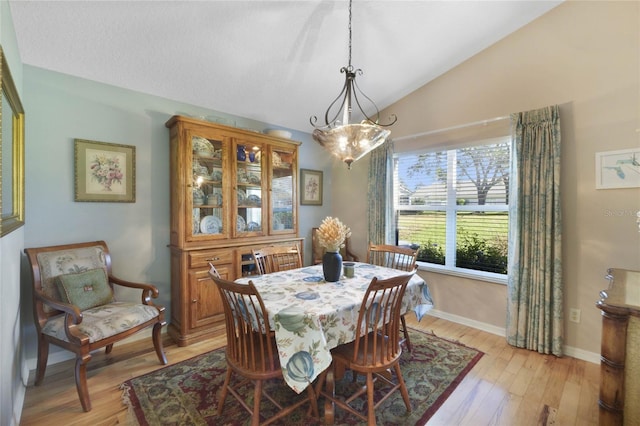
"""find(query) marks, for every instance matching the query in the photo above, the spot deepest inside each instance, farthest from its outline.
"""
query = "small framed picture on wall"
(104, 172)
(618, 169)
(311, 187)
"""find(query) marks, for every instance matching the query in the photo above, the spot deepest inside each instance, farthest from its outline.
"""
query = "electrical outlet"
(574, 315)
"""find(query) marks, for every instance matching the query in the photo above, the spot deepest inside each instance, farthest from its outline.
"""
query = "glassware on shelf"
(282, 196)
(207, 185)
(242, 155)
(198, 197)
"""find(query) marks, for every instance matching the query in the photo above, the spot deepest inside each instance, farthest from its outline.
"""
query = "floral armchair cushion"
(55, 263)
(104, 321)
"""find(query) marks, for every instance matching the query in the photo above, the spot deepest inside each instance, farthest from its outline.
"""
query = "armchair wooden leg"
(157, 343)
(43, 355)
(81, 381)
(405, 330)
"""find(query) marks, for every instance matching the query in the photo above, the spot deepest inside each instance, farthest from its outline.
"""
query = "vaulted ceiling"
(273, 61)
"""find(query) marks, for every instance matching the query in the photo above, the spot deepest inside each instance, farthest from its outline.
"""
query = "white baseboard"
(489, 328)
(577, 353)
(25, 374)
(18, 404)
(592, 357)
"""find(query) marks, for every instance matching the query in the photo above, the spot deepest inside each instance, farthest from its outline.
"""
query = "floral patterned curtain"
(379, 213)
(535, 290)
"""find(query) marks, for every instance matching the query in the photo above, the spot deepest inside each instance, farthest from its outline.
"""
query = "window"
(452, 205)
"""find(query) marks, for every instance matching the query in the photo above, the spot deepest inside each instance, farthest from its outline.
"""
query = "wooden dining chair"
(213, 271)
(375, 351)
(74, 307)
(277, 258)
(317, 251)
(401, 258)
(251, 352)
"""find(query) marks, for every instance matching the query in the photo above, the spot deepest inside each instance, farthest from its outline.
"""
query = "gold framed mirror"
(12, 153)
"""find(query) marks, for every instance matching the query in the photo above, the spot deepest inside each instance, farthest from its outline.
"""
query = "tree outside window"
(452, 205)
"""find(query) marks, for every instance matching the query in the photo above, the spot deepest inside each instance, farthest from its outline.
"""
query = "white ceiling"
(273, 61)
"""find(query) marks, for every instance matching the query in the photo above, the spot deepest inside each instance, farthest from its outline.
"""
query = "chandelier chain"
(350, 35)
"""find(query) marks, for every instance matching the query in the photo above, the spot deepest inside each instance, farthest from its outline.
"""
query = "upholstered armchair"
(317, 251)
(74, 306)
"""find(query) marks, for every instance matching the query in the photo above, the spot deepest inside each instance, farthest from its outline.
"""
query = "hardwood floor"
(508, 386)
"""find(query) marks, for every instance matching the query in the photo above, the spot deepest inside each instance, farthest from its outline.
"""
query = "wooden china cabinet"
(232, 190)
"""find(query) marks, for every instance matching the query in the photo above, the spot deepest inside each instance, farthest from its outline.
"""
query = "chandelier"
(345, 140)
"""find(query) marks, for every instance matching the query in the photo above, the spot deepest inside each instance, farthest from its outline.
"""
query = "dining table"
(311, 316)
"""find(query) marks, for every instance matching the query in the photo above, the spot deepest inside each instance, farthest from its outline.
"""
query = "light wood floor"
(508, 386)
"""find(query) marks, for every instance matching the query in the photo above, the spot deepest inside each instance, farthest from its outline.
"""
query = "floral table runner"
(311, 316)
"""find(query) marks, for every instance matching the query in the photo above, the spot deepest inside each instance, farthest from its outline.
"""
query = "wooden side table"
(620, 349)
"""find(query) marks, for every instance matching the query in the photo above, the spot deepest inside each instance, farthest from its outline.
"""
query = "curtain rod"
(446, 129)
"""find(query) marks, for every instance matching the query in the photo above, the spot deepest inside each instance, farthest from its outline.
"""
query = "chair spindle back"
(378, 329)
(250, 342)
(401, 258)
(277, 258)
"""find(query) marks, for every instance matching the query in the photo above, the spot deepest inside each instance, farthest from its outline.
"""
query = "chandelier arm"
(335, 117)
(355, 97)
(367, 117)
(393, 118)
(328, 123)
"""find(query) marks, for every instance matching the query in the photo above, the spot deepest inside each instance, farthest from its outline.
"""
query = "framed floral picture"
(105, 172)
(311, 187)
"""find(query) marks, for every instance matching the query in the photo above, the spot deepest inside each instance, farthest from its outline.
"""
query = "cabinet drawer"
(201, 259)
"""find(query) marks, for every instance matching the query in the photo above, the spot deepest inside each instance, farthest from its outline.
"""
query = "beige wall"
(583, 56)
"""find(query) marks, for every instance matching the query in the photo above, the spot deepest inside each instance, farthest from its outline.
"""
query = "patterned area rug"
(187, 393)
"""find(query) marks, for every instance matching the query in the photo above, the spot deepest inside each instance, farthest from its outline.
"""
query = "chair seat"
(104, 321)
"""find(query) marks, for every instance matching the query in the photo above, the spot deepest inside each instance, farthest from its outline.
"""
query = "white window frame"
(451, 208)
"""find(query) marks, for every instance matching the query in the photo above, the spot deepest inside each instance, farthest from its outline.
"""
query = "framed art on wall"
(618, 169)
(311, 188)
(11, 153)
(105, 172)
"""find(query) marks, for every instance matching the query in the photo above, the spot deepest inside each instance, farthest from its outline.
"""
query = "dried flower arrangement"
(332, 233)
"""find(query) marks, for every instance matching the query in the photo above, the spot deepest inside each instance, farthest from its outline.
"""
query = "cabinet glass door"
(249, 179)
(207, 200)
(283, 164)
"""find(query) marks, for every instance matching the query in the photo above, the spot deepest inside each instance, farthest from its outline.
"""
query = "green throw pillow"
(86, 289)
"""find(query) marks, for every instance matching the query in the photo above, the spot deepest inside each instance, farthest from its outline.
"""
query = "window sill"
(464, 273)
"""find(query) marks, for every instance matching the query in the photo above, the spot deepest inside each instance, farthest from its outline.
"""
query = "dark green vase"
(331, 266)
